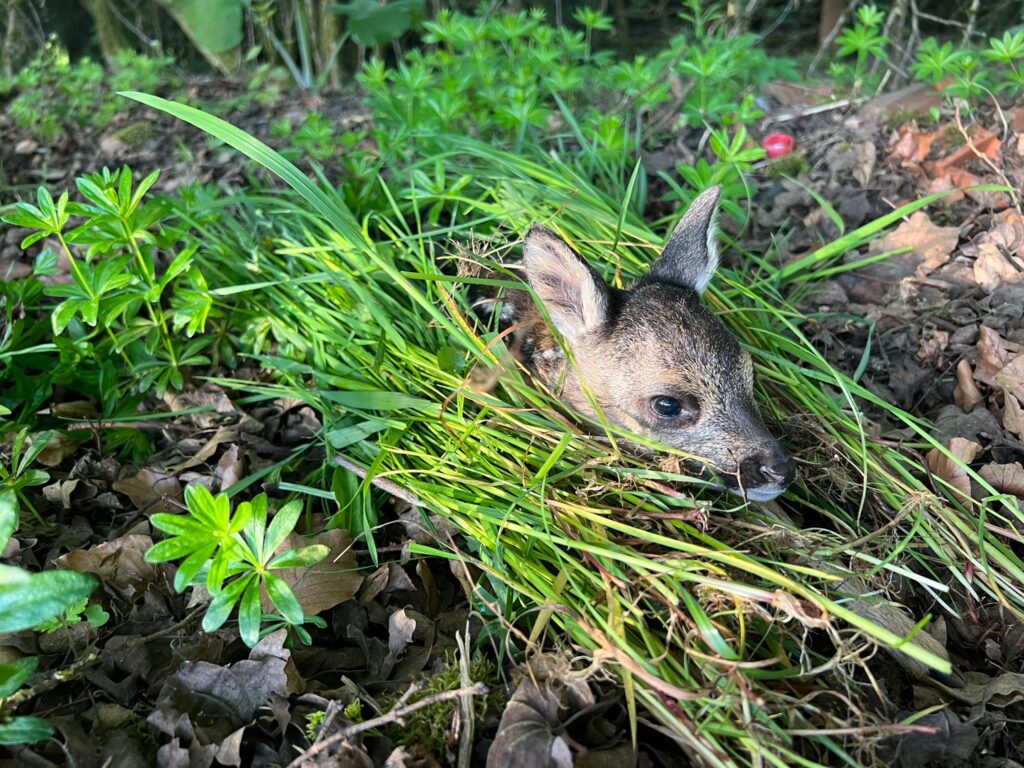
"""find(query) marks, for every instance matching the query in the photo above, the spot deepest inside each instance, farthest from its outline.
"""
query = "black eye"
(667, 407)
(675, 407)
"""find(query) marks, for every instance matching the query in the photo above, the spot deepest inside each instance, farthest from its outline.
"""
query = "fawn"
(653, 358)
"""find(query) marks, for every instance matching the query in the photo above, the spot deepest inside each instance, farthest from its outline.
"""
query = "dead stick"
(394, 716)
(390, 486)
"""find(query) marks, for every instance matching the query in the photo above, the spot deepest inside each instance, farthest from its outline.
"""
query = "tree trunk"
(111, 34)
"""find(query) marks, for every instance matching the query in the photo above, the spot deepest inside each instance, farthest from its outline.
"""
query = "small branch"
(389, 486)
(396, 715)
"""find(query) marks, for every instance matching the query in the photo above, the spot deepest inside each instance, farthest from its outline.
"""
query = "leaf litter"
(943, 336)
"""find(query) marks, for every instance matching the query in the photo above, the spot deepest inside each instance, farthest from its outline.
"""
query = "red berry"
(777, 145)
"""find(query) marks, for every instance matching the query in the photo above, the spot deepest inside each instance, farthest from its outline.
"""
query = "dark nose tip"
(775, 468)
(781, 472)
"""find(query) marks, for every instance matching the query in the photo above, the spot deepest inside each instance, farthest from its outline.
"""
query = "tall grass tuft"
(729, 625)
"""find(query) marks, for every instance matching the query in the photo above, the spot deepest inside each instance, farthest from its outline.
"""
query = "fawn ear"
(690, 257)
(574, 295)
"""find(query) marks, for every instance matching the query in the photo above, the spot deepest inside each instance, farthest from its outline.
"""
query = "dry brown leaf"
(1007, 231)
(983, 142)
(222, 435)
(944, 183)
(1005, 478)
(992, 268)
(1011, 377)
(931, 244)
(943, 466)
(229, 468)
(152, 490)
(330, 582)
(120, 563)
(59, 447)
(929, 351)
(992, 356)
(913, 145)
(1013, 416)
(966, 393)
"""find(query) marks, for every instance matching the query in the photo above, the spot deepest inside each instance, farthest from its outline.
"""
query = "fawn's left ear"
(690, 257)
(574, 294)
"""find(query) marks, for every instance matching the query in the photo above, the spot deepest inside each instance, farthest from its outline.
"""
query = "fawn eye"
(685, 407)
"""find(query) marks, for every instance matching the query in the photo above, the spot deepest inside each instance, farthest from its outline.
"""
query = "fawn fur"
(652, 357)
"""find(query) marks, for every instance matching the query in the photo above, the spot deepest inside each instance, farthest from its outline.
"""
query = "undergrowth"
(708, 615)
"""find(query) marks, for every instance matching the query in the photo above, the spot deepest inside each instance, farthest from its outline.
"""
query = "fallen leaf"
(982, 143)
(949, 741)
(229, 468)
(1005, 478)
(120, 563)
(992, 356)
(330, 582)
(912, 144)
(930, 244)
(1007, 231)
(948, 469)
(1011, 378)
(60, 492)
(1013, 416)
(929, 350)
(233, 693)
(152, 490)
(992, 268)
(966, 394)
(59, 447)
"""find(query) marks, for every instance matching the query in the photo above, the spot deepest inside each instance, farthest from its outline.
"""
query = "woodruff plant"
(135, 291)
(235, 556)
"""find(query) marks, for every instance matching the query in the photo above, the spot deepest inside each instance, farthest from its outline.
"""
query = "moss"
(134, 135)
(791, 165)
(426, 731)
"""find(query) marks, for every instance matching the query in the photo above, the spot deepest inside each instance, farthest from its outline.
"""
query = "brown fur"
(654, 340)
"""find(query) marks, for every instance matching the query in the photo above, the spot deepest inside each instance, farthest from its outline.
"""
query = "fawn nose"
(773, 468)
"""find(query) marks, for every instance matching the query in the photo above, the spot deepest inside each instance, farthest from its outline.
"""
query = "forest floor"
(936, 327)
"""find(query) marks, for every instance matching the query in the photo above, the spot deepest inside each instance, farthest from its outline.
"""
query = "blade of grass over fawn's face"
(703, 608)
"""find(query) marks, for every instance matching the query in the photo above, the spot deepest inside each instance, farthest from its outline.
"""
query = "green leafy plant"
(864, 41)
(83, 609)
(973, 74)
(735, 159)
(115, 305)
(28, 600)
(1008, 51)
(52, 92)
(21, 454)
(235, 556)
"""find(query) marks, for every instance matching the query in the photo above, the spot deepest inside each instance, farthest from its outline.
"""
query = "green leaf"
(8, 516)
(190, 567)
(14, 674)
(95, 615)
(215, 26)
(173, 549)
(223, 603)
(282, 524)
(25, 730)
(250, 614)
(283, 598)
(304, 556)
(47, 594)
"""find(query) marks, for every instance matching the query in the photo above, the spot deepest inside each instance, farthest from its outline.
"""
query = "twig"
(985, 159)
(389, 486)
(396, 715)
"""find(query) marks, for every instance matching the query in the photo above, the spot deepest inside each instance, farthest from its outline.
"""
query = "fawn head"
(655, 360)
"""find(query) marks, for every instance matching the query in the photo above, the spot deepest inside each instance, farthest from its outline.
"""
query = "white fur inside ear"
(712, 261)
(574, 297)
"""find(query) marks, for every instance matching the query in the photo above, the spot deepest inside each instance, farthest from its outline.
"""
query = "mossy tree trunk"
(111, 34)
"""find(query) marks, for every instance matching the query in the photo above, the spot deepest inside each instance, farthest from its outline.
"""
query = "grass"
(728, 625)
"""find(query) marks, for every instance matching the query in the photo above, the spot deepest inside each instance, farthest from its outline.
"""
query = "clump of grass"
(726, 624)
